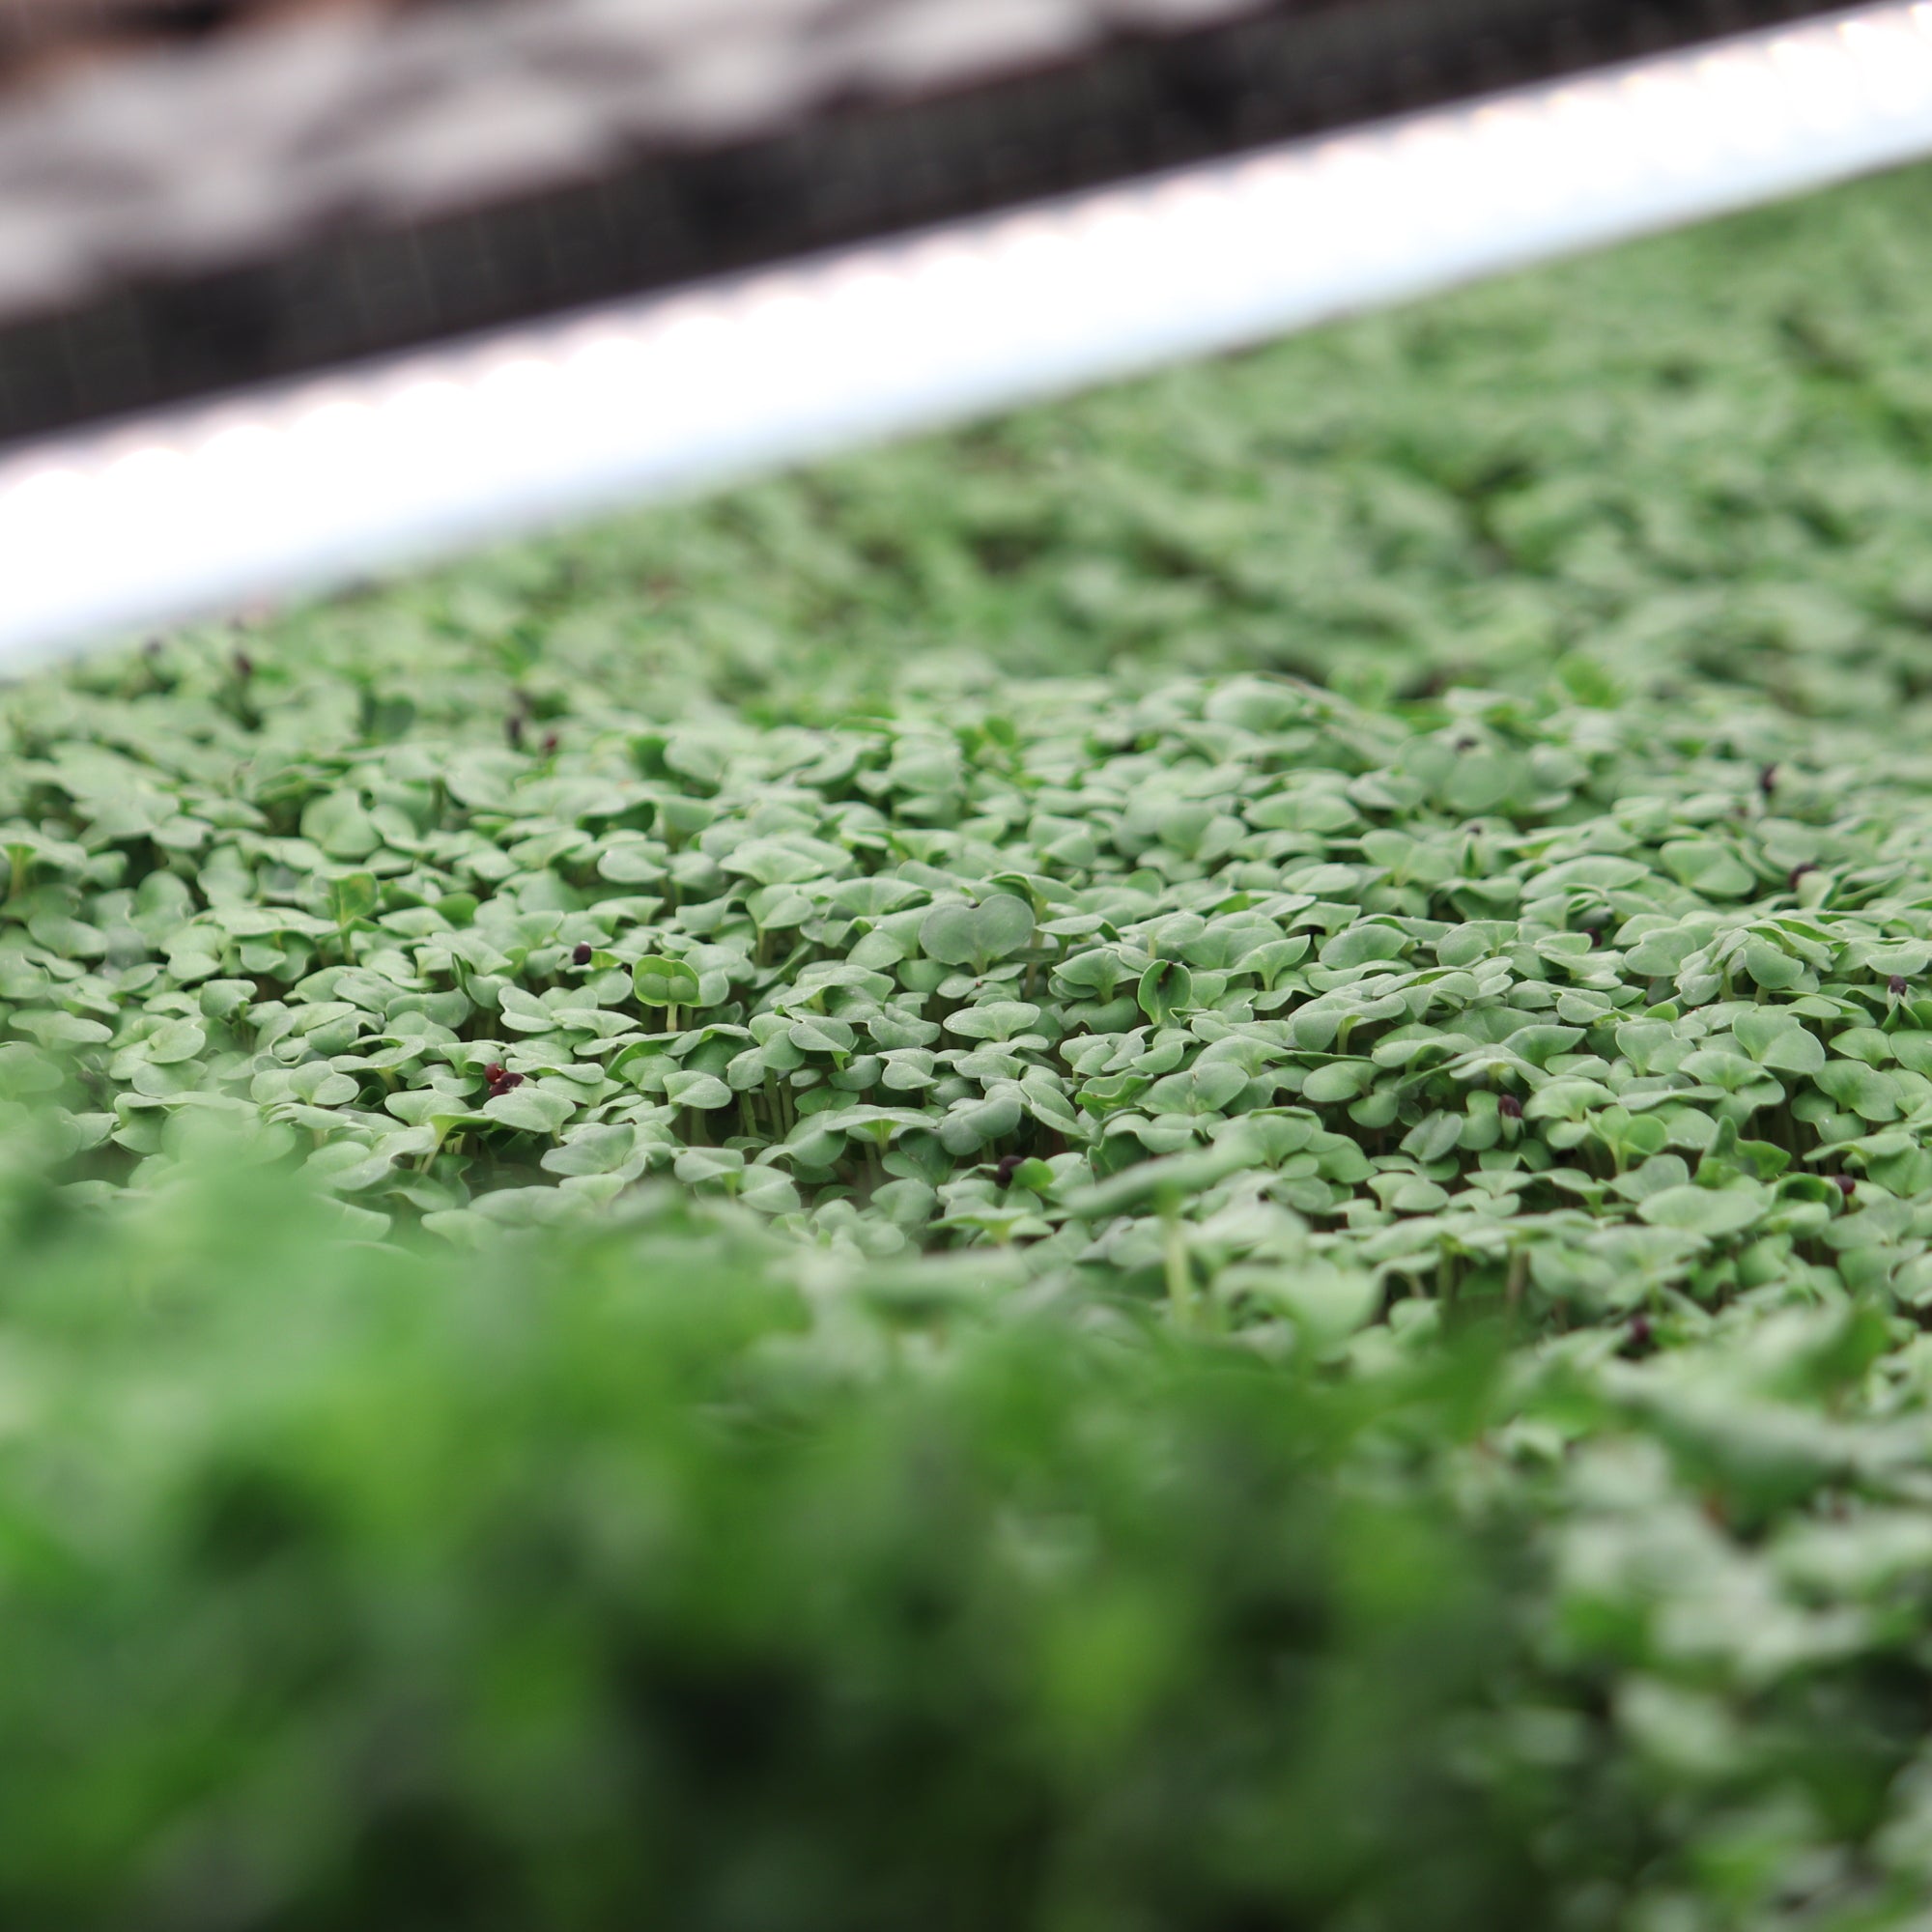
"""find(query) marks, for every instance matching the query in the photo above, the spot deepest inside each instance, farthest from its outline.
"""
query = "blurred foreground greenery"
(656, 1578)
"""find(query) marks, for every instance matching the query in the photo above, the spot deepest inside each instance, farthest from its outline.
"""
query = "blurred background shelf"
(196, 195)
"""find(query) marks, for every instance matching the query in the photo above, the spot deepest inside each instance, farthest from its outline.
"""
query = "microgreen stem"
(1179, 1270)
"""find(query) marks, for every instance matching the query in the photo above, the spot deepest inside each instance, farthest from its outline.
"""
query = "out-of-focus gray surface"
(191, 158)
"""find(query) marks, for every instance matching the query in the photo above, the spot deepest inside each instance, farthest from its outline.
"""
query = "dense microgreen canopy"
(796, 1002)
(1548, 998)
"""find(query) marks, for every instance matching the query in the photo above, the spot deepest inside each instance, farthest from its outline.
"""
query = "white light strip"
(294, 487)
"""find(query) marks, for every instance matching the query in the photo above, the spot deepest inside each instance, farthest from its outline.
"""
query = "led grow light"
(285, 488)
